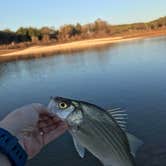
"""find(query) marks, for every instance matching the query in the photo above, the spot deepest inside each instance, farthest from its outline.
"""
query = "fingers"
(48, 128)
(46, 114)
(32, 144)
(51, 126)
(42, 124)
(55, 133)
(48, 122)
(45, 125)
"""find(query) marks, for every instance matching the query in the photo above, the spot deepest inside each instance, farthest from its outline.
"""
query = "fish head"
(66, 109)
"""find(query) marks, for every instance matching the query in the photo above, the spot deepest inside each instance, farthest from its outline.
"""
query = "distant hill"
(161, 22)
(142, 26)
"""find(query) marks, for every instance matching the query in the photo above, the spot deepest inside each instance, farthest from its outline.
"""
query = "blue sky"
(38, 13)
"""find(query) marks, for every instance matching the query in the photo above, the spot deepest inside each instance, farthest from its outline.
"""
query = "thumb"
(39, 108)
(23, 118)
(31, 114)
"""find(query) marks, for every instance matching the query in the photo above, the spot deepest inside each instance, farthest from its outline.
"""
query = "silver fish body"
(97, 131)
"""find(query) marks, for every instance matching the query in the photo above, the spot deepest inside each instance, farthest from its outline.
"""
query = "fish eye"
(62, 105)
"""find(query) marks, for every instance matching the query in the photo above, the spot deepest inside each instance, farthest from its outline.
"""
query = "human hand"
(34, 127)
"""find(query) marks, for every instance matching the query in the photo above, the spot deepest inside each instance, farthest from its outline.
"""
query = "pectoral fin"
(134, 143)
(80, 149)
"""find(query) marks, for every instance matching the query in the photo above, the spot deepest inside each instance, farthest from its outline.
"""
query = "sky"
(38, 13)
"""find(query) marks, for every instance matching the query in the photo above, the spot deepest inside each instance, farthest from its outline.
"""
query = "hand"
(34, 126)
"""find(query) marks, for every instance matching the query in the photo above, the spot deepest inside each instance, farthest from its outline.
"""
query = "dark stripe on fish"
(100, 133)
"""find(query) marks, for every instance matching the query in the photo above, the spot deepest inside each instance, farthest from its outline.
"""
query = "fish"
(101, 132)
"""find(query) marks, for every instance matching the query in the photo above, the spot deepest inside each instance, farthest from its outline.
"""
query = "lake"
(131, 75)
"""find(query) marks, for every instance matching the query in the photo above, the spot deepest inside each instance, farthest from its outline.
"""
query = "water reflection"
(129, 75)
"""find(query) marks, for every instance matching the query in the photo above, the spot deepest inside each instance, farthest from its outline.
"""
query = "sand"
(37, 51)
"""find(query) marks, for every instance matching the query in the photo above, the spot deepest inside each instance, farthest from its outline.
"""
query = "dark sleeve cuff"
(12, 149)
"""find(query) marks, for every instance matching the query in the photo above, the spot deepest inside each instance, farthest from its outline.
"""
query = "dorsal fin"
(120, 116)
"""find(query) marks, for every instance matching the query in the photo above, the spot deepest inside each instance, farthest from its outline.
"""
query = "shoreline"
(43, 51)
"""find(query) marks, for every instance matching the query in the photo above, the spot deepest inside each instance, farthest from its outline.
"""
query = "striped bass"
(99, 131)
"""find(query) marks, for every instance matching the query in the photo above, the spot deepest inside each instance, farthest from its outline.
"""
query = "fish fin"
(79, 148)
(120, 116)
(134, 143)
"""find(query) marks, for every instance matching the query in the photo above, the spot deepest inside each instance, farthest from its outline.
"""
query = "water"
(129, 75)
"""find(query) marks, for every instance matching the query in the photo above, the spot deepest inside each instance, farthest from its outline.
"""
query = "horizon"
(57, 13)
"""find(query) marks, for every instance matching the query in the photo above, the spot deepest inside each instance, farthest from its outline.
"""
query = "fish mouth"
(52, 106)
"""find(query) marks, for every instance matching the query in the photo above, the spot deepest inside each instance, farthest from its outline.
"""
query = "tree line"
(69, 32)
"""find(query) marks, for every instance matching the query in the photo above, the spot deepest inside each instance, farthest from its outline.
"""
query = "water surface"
(129, 75)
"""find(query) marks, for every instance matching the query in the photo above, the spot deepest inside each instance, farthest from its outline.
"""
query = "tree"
(34, 34)
(67, 31)
(101, 26)
(45, 31)
(78, 28)
(8, 30)
(23, 34)
(31, 33)
(48, 33)
(22, 31)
